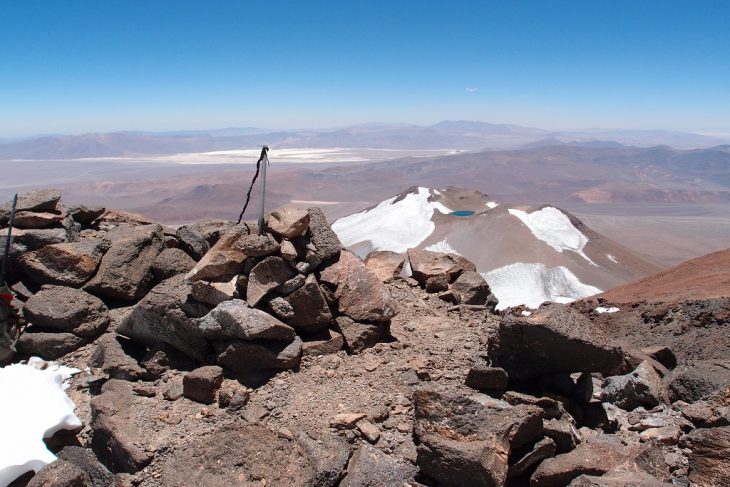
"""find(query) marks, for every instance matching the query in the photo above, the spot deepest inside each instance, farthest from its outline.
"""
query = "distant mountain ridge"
(460, 134)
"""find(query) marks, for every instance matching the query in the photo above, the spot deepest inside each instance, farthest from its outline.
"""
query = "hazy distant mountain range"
(458, 135)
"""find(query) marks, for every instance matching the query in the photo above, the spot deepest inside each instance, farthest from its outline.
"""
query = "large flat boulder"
(165, 315)
(31, 219)
(66, 264)
(467, 440)
(426, 264)
(67, 309)
(125, 271)
(553, 340)
(36, 200)
(359, 293)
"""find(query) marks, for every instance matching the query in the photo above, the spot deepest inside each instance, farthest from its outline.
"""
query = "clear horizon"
(96, 67)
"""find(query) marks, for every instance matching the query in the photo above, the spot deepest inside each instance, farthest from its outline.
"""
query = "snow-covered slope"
(33, 406)
(528, 255)
(398, 224)
(533, 284)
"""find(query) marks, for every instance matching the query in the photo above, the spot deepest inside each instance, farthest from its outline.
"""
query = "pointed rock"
(385, 264)
(311, 312)
(327, 244)
(266, 276)
(225, 258)
(359, 293)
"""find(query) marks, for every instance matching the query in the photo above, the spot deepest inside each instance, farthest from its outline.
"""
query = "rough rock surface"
(266, 276)
(310, 310)
(426, 264)
(202, 384)
(234, 319)
(327, 244)
(466, 440)
(225, 258)
(385, 264)
(288, 221)
(125, 271)
(60, 474)
(642, 387)
(360, 294)
(171, 262)
(245, 356)
(553, 340)
(708, 461)
(48, 345)
(66, 264)
(67, 309)
(370, 467)
(471, 288)
(165, 315)
(192, 242)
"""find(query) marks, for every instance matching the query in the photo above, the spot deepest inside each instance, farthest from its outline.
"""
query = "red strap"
(6, 297)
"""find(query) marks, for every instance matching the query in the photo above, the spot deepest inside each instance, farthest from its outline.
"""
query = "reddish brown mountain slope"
(705, 277)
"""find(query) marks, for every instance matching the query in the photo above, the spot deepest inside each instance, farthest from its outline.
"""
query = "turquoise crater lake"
(461, 213)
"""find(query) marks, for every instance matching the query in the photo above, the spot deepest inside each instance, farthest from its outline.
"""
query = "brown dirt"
(705, 277)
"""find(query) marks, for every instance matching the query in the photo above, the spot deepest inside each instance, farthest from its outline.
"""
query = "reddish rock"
(266, 276)
(202, 384)
(385, 264)
(66, 264)
(360, 294)
(310, 310)
(425, 264)
(288, 221)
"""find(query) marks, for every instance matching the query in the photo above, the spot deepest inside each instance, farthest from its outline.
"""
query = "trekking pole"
(6, 253)
(264, 163)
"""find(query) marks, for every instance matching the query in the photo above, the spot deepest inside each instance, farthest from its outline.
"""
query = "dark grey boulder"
(67, 309)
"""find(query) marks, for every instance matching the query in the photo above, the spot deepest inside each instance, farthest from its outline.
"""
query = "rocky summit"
(220, 354)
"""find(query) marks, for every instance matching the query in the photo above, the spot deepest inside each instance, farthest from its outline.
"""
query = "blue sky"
(96, 66)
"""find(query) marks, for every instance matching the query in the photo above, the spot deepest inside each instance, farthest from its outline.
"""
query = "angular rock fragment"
(642, 387)
(697, 380)
(467, 441)
(708, 462)
(426, 264)
(236, 320)
(323, 343)
(245, 356)
(554, 340)
(619, 479)
(471, 288)
(288, 251)
(359, 336)
(542, 450)
(34, 220)
(360, 294)
(385, 264)
(36, 200)
(225, 258)
(310, 310)
(165, 315)
(563, 433)
(202, 384)
(99, 475)
(67, 309)
(111, 357)
(192, 242)
(370, 466)
(485, 378)
(116, 439)
(60, 474)
(85, 215)
(125, 271)
(215, 293)
(327, 244)
(266, 276)
(662, 354)
(171, 262)
(48, 345)
(288, 221)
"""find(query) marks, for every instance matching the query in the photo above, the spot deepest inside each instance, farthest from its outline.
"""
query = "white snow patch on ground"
(33, 406)
(526, 313)
(395, 226)
(603, 309)
(553, 227)
(612, 258)
(442, 246)
(492, 205)
(532, 284)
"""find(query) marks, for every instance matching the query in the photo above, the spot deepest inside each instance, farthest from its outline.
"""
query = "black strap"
(264, 150)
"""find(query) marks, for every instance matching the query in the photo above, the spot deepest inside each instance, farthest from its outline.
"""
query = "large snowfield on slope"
(33, 406)
(533, 284)
(395, 226)
(553, 227)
